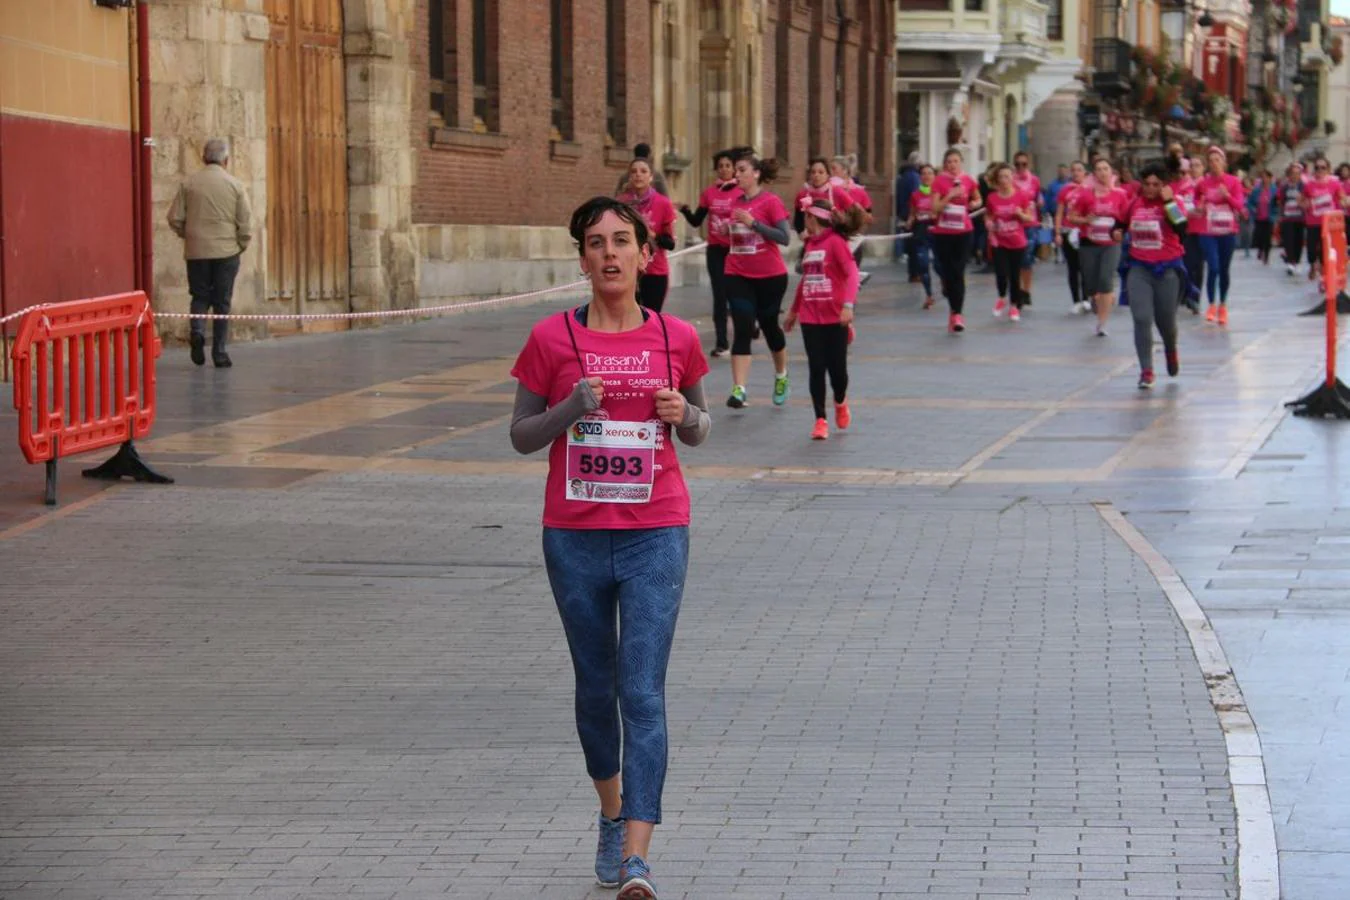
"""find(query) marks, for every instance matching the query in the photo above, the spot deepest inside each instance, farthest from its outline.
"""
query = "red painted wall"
(65, 205)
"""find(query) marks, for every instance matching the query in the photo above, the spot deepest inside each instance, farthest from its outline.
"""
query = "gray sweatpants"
(1153, 301)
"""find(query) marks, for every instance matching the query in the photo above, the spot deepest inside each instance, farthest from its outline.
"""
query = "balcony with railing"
(1023, 26)
(1111, 66)
(974, 17)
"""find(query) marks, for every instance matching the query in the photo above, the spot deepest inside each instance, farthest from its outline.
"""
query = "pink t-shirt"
(860, 196)
(717, 199)
(839, 198)
(1183, 189)
(660, 215)
(1103, 212)
(1263, 202)
(1064, 201)
(1323, 197)
(1029, 184)
(753, 255)
(634, 365)
(955, 216)
(829, 279)
(1006, 228)
(922, 205)
(1219, 202)
(1152, 237)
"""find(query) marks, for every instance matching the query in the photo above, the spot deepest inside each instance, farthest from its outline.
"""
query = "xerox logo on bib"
(631, 364)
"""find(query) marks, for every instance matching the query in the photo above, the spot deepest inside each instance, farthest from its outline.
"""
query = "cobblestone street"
(922, 658)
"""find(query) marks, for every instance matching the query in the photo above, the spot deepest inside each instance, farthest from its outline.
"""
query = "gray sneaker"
(637, 880)
(609, 852)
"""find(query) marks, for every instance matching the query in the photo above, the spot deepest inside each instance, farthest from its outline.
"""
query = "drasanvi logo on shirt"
(630, 364)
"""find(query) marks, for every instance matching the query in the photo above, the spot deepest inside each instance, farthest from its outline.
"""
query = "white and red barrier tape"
(418, 312)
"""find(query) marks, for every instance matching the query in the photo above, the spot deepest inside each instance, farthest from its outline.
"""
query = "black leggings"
(1075, 267)
(952, 252)
(652, 291)
(756, 301)
(1008, 274)
(716, 259)
(826, 352)
(1313, 243)
(1261, 232)
(1195, 263)
(1291, 239)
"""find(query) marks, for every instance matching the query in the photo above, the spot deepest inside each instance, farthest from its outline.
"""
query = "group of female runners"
(611, 385)
(1302, 201)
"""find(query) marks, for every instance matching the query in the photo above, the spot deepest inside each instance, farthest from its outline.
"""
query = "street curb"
(1258, 860)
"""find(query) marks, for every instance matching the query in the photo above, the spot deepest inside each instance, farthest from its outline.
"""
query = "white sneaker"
(1289, 270)
(1083, 308)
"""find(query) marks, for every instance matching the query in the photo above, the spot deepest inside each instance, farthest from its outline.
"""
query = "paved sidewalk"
(913, 660)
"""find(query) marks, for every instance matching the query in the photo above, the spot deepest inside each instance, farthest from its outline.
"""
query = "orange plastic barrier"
(84, 379)
(1333, 274)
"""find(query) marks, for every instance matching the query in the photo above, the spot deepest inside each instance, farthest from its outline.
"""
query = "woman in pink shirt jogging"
(1321, 195)
(659, 213)
(955, 197)
(608, 387)
(1008, 212)
(1155, 277)
(756, 276)
(824, 306)
(1098, 209)
(1220, 205)
(715, 206)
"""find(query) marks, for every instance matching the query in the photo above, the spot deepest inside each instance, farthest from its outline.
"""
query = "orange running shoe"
(1210, 314)
(821, 431)
(1223, 314)
(842, 417)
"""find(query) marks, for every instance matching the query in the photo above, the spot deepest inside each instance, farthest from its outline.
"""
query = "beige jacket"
(212, 215)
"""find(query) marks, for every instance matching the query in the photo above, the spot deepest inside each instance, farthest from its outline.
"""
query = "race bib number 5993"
(611, 462)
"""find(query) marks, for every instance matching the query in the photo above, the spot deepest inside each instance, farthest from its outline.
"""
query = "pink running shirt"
(829, 279)
(1219, 202)
(1104, 212)
(1006, 228)
(753, 255)
(718, 204)
(1323, 197)
(1152, 237)
(660, 215)
(634, 367)
(955, 216)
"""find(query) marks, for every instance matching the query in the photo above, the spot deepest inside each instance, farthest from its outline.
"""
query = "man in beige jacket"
(212, 215)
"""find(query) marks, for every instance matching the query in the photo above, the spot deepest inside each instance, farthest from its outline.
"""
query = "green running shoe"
(780, 389)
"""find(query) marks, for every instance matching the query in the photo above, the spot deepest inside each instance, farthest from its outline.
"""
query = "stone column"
(207, 65)
(380, 162)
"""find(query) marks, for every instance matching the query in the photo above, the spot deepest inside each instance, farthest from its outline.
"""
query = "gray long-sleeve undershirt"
(534, 426)
(776, 233)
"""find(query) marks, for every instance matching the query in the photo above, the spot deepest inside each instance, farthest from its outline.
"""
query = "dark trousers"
(716, 259)
(652, 291)
(1195, 263)
(1261, 234)
(756, 301)
(826, 354)
(1312, 241)
(1291, 239)
(1008, 274)
(211, 284)
(1075, 267)
(952, 253)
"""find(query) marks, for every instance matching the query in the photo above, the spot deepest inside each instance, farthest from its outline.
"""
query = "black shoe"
(197, 348)
(222, 361)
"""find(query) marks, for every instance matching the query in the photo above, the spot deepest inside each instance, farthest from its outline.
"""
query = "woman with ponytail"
(715, 206)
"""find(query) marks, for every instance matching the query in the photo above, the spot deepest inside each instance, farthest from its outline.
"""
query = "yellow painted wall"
(66, 60)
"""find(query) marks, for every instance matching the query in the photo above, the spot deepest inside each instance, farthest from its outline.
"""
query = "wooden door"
(306, 157)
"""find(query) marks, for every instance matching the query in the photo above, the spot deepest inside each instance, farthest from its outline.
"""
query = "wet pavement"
(915, 659)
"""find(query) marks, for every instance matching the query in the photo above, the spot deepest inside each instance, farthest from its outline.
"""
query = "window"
(1054, 21)
(926, 5)
(443, 61)
(561, 52)
(616, 116)
(486, 116)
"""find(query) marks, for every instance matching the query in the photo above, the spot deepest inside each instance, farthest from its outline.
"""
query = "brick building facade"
(523, 108)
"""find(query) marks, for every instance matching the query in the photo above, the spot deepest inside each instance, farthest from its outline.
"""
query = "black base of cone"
(126, 463)
(1327, 401)
(1342, 306)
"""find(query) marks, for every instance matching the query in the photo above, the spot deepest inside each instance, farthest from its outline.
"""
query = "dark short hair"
(642, 151)
(767, 168)
(811, 163)
(593, 210)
